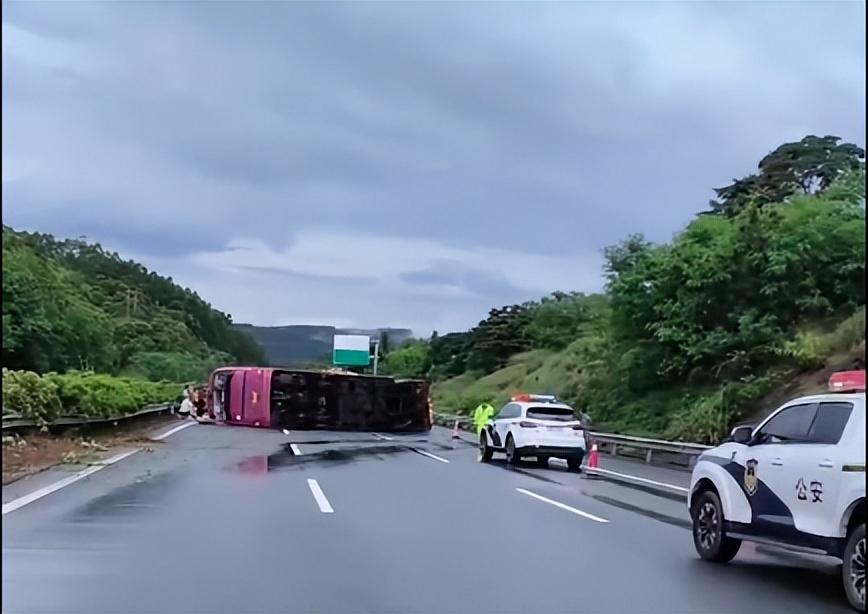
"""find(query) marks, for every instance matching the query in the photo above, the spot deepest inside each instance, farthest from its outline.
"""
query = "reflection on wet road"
(224, 519)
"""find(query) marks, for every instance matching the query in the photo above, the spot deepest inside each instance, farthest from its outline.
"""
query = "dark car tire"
(542, 461)
(709, 536)
(485, 450)
(853, 569)
(574, 464)
(512, 455)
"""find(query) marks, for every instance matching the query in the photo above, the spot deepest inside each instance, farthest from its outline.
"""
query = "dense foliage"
(806, 167)
(411, 359)
(691, 333)
(72, 305)
(448, 354)
(48, 397)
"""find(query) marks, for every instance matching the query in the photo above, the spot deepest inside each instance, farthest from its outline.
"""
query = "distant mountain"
(300, 345)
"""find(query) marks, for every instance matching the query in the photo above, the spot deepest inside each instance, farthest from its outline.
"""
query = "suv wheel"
(485, 451)
(853, 569)
(709, 537)
(512, 456)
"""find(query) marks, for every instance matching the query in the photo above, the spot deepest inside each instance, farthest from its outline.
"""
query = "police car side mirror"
(741, 434)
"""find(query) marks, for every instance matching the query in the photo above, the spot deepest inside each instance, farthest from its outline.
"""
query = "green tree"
(449, 354)
(804, 167)
(503, 333)
(561, 317)
(412, 360)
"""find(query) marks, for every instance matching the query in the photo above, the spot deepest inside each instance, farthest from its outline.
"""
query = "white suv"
(534, 425)
(798, 480)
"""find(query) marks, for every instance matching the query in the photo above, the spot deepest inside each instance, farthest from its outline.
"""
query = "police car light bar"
(537, 398)
(847, 381)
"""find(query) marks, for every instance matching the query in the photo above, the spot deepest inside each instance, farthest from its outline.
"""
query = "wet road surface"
(224, 519)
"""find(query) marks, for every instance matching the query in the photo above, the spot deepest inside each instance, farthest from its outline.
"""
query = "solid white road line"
(47, 490)
(422, 452)
(295, 449)
(636, 478)
(323, 503)
(429, 455)
(174, 430)
(561, 505)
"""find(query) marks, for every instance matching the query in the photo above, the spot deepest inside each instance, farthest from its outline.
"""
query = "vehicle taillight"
(528, 425)
(577, 427)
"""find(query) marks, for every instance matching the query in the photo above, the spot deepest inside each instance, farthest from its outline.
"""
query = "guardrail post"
(614, 450)
(648, 455)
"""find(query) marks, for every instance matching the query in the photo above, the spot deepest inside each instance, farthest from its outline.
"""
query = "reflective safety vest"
(481, 415)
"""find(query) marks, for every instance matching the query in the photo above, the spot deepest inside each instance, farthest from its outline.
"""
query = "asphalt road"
(228, 519)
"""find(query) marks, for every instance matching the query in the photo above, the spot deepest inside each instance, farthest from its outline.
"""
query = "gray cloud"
(450, 273)
(539, 130)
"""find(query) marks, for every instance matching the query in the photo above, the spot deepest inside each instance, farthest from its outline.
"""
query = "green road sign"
(352, 350)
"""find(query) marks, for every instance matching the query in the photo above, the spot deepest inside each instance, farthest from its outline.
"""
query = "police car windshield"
(561, 414)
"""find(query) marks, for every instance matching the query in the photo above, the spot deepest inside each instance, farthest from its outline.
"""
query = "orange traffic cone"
(455, 431)
(593, 459)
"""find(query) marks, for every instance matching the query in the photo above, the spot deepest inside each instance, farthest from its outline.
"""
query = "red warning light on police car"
(847, 381)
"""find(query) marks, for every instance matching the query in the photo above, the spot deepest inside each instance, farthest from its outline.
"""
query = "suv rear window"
(830, 421)
(561, 414)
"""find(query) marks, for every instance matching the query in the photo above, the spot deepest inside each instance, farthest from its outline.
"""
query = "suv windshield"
(561, 414)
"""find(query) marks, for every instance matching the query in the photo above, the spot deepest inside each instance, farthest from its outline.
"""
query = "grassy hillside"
(70, 305)
(752, 302)
(822, 349)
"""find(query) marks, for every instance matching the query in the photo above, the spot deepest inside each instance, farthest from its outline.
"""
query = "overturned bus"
(300, 399)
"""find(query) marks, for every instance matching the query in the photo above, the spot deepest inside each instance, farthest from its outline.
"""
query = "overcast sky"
(402, 164)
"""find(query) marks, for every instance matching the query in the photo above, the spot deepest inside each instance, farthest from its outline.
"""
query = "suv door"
(504, 419)
(815, 470)
(770, 474)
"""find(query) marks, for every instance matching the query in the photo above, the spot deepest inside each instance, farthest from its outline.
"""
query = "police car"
(798, 480)
(534, 425)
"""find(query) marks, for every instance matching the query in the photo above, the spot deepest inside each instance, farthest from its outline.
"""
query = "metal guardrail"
(672, 452)
(677, 452)
(82, 421)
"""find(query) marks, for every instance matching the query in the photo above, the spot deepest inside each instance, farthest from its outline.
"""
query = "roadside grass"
(704, 413)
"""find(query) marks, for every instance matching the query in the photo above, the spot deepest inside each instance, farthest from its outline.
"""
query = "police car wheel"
(574, 464)
(709, 537)
(542, 461)
(485, 451)
(512, 456)
(853, 569)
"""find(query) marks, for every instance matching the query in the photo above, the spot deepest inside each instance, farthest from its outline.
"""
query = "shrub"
(706, 418)
(29, 396)
(83, 394)
(808, 349)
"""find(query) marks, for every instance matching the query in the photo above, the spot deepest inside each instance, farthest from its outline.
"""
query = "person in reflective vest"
(481, 415)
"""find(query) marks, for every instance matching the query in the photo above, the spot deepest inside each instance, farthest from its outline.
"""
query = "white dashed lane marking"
(562, 506)
(323, 503)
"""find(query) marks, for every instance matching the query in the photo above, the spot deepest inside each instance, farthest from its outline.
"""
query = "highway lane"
(221, 519)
